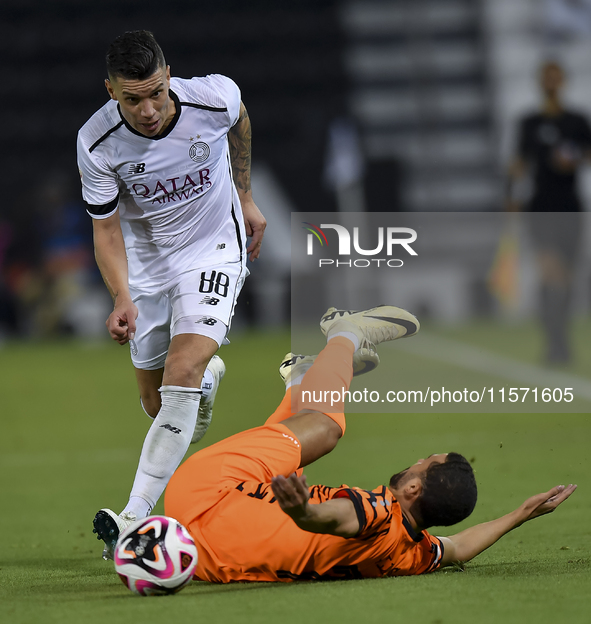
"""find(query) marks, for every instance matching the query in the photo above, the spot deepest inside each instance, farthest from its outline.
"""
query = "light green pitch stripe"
(476, 359)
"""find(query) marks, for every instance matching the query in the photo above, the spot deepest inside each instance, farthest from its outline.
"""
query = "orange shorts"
(210, 474)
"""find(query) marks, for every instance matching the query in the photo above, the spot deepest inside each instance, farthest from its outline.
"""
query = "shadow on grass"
(526, 568)
(75, 580)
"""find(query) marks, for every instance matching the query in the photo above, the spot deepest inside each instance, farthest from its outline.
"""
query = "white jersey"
(178, 205)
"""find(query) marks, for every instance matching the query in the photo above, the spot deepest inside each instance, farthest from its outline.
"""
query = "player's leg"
(148, 354)
(169, 436)
(148, 383)
(557, 238)
(293, 368)
(169, 378)
(321, 422)
(253, 457)
(554, 304)
(202, 304)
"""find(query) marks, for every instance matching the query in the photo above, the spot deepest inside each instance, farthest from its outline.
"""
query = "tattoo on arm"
(239, 138)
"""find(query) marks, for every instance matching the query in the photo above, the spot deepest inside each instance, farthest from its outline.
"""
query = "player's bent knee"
(333, 433)
(317, 432)
(183, 369)
(327, 425)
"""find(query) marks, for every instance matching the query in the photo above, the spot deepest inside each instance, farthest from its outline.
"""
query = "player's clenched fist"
(121, 322)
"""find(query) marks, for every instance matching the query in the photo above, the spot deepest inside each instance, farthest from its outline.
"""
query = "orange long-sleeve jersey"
(223, 496)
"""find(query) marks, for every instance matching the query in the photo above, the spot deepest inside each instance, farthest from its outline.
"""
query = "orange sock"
(324, 385)
(284, 410)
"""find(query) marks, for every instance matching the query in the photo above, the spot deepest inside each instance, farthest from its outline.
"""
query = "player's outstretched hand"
(546, 502)
(255, 224)
(121, 322)
(292, 494)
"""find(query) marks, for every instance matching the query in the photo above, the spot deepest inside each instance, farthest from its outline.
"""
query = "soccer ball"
(155, 555)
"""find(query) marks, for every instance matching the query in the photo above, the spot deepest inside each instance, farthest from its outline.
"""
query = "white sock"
(348, 335)
(138, 506)
(295, 382)
(206, 387)
(166, 442)
(206, 384)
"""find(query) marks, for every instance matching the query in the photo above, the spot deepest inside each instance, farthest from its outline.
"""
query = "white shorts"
(198, 302)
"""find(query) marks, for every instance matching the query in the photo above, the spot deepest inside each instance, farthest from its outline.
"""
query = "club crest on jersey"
(199, 152)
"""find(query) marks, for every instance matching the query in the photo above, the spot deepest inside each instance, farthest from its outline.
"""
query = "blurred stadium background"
(386, 105)
(393, 105)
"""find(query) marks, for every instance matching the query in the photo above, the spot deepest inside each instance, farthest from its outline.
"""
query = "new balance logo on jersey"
(210, 300)
(170, 428)
(221, 246)
(139, 168)
(207, 321)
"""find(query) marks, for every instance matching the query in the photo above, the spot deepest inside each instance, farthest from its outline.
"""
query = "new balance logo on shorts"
(210, 300)
(139, 168)
(170, 428)
(207, 321)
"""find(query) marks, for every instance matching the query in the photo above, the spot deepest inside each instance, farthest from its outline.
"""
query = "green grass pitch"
(72, 429)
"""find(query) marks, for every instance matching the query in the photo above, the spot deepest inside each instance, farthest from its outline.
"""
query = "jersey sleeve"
(100, 188)
(229, 93)
(432, 549)
(373, 509)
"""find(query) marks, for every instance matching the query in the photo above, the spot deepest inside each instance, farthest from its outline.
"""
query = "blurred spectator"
(47, 273)
(67, 270)
(553, 145)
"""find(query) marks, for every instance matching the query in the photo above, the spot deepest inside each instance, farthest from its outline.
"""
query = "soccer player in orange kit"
(246, 503)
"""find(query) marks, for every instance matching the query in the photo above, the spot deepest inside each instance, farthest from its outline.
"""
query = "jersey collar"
(416, 537)
(169, 128)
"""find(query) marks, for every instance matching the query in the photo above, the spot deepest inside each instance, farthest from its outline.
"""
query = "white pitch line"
(472, 358)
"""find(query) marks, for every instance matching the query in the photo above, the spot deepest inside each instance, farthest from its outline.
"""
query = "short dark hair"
(134, 55)
(449, 493)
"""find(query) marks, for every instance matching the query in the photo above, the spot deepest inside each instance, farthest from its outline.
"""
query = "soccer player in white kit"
(165, 170)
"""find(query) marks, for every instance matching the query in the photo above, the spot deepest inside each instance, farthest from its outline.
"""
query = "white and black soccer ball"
(155, 555)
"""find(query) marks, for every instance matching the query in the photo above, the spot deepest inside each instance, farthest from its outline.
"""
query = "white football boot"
(293, 366)
(108, 526)
(375, 325)
(217, 367)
